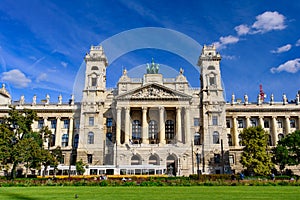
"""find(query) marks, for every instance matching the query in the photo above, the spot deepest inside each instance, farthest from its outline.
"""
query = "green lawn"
(153, 193)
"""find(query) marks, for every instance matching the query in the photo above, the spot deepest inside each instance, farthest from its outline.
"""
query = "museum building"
(155, 125)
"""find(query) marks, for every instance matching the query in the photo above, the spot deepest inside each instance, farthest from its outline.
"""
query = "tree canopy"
(287, 152)
(20, 144)
(255, 156)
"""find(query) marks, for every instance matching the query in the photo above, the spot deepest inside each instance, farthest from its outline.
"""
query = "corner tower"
(212, 111)
(91, 137)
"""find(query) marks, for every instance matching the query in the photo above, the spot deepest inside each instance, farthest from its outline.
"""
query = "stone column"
(162, 135)
(287, 125)
(46, 143)
(261, 121)
(118, 126)
(58, 132)
(187, 126)
(235, 131)
(71, 122)
(127, 120)
(274, 130)
(144, 126)
(178, 124)
(298, 125)
(248, 122)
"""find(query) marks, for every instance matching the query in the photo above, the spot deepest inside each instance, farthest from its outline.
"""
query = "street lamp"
(198, 160)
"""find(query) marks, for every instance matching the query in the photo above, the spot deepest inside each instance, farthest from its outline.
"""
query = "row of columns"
(59, 133)
(161, 125)
(274, 127)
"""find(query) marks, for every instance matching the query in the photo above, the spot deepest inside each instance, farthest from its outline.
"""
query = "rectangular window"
(53, 123)
(228, 125)
(91, 121)
(212, 80)
(77, 123)
(266, 124)
(66, 123)
(253, 122)
(109, 122)
(196, 122)
(231, 159)
(215, 120)
(293, 123)
(40, 123)
(94, 81)
(240, 123)
(279, 124)
(90, 158)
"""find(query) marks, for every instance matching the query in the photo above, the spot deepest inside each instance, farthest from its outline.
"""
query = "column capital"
(161, 108)
(119, 108)
(127, 108)
(144, 108)
(58, 117)
(178, 108)
(234, 117)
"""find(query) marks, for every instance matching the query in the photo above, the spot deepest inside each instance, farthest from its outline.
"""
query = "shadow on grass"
(16, 196)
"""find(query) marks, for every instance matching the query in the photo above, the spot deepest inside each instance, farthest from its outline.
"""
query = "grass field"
(153, 193)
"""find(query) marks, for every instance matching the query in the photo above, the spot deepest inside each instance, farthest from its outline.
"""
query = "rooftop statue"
(152, 68)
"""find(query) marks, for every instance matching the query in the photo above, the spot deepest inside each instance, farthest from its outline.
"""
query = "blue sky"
(43, 42)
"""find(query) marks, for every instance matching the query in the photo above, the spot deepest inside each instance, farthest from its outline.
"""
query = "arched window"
(136, 160)
(95, 68)
(169, 130)
(153, 160)
(65, 140)
(90, 138)
(136, 131)
(76, 141)
(211, 67)
(280, 136)
(153, 131)
(216, 139)
(229, 138)
(197, 139)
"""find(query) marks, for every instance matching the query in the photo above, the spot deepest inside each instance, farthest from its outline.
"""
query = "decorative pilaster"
(178, 124)
(162, 135)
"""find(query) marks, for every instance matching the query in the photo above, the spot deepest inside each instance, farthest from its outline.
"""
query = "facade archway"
(172, 165)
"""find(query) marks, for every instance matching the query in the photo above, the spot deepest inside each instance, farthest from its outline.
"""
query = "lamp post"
(198, 160)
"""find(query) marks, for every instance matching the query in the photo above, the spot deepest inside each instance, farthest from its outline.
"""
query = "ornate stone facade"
(155, 125)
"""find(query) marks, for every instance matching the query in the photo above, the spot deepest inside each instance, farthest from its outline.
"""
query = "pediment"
(153, 91)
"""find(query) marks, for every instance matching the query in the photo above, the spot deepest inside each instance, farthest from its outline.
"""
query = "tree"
(255, 157)
(287, 152)
(16, 137)
(80, 167)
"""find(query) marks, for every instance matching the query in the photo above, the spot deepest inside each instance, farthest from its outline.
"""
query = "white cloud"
(16, 78)
(228, 57)
(298, 43)
(291, 66)
(242, 29)
(269, 21)
(223, 41)
(282, 49)
(41, 77)
(64, 64)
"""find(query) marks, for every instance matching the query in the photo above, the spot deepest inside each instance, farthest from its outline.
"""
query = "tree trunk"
(13, 170)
